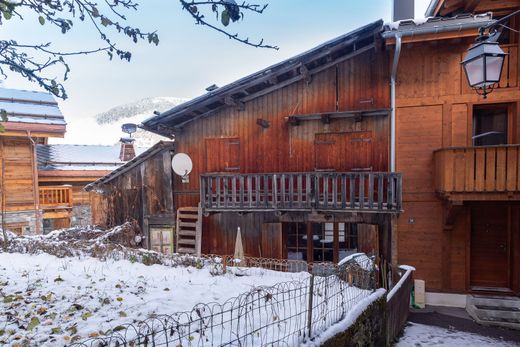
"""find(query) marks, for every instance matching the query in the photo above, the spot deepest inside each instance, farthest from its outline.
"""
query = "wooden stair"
(189, 230)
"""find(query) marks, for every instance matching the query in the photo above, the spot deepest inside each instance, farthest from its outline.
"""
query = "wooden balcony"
(311, 191)
(478, 173)
(55, 197)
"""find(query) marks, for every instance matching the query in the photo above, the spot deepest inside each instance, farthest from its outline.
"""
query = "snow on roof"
(80, 157)
(24, 106)
(433, 24)
(26, 95)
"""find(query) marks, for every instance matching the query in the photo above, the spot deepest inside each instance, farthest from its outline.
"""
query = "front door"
(489, 254)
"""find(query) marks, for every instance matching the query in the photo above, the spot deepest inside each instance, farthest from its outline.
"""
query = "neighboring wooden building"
(139, 190)
(458, 153)
(33, 117)
(295, 155)
(63, 172)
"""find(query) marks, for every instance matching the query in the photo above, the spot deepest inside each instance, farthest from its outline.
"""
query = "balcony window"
(490, 125)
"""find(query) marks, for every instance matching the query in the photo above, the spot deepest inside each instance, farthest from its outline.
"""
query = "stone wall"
(369, 329)
(81, 215)
(26, 221)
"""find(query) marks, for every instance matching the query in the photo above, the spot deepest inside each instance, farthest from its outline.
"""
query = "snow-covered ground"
(419, 335)
(50, 301)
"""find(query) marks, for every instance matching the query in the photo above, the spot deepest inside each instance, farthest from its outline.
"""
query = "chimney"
(402, 9)
(127, 149)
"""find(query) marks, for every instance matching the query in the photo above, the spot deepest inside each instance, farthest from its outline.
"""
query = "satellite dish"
(129, 128)
(182, 166)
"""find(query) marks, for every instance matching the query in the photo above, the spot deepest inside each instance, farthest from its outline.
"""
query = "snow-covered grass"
(419, 335)
(50, 301)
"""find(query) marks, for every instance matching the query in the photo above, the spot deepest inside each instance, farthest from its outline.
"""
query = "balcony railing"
(483, 170)
(55, 197)
(311, 191)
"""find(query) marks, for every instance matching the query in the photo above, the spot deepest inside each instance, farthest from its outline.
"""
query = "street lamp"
(483, 65)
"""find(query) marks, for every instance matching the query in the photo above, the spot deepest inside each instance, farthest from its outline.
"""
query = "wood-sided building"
(296, 155)
(63, 172)
(458, 153)
(32, 118)
(141, 190)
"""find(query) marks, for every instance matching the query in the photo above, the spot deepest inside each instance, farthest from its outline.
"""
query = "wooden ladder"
(189, 230)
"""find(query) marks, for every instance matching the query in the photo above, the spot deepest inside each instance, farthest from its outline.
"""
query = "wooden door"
(489, 247)
(272, 241)
(223, 154)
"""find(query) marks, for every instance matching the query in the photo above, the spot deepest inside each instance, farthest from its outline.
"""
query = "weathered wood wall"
(435, 110)
(358, 83)
(17, 174)
(143, 191)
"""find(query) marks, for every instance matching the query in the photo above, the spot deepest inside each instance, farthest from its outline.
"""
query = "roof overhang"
(275, 77)
(35, 130)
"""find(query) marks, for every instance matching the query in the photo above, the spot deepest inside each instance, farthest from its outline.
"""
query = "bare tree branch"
(36, 61)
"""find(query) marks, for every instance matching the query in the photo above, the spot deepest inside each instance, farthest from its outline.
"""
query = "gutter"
(436, 29)
(393, 78)
(36, 188)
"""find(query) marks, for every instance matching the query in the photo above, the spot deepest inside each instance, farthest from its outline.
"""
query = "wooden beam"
(471, 5)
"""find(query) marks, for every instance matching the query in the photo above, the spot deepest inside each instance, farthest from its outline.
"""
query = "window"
(490, 125)
(323, 241)
(161, 238)
(327, 244)
(296, 241)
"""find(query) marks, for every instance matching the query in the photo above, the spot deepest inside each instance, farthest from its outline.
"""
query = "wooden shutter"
(344, 151)
(223, 154)
(328, 149)
(272, 241)
(359, 151)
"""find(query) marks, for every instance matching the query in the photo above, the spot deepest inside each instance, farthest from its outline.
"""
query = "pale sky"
(189, 57)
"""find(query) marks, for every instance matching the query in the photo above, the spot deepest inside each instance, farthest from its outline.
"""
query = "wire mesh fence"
(286, 314)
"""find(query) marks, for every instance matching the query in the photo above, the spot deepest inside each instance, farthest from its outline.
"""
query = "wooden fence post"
(309, 312)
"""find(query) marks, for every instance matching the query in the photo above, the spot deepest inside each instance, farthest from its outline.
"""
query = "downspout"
(393, 78)
(35, 183)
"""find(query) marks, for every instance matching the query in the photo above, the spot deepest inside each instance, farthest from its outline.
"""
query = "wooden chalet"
(370, 142)
(458, 152)
(296, 155)
(33, 117)
(63, 172)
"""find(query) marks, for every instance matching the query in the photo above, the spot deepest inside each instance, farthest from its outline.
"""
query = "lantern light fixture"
(483, 65)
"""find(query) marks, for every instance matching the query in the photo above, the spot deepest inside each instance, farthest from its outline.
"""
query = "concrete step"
(494, 300)
(494, 310)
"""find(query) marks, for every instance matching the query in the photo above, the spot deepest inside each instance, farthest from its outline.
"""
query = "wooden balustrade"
(490, 169)
(55, 197)
(330, 191)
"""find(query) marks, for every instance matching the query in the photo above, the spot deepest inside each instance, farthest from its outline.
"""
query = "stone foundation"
(81, 216)
(24, 222)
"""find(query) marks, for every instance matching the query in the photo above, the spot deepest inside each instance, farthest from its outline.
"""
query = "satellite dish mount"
(182, 166)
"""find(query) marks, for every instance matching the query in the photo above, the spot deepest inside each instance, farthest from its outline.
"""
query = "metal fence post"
(309, 311)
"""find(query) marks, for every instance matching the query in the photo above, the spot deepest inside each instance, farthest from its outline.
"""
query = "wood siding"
(17, 174)
(282, 147)
(435, 111)
(143, 192)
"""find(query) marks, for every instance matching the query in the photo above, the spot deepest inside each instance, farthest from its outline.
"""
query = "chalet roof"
(150, 152)
(60, 157)
(23, 106)
(415, 27)
(274, 77)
